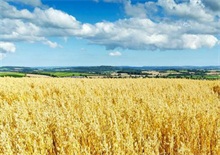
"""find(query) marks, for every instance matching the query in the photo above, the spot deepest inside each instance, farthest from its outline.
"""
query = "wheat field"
(109, 116)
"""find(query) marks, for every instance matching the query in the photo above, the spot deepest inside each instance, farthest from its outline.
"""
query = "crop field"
(109, 116)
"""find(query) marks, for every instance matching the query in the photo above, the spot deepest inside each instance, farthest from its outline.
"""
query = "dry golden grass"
(109, 116)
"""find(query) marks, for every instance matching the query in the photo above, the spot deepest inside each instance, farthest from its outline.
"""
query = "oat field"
(109, 116)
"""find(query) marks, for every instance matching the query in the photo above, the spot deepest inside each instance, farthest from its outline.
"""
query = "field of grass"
(216, 77)
(201, 77)
(11, 74)
(64, 74)
(109, 116)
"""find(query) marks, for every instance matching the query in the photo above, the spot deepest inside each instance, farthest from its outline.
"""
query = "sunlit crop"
(109, 116)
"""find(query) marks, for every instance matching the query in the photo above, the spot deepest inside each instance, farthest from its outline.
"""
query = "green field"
(208, 77)
(212, 77)
(11, 74)
(83, 74)
(64, 74)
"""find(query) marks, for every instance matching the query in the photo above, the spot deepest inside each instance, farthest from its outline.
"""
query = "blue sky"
(109, 32)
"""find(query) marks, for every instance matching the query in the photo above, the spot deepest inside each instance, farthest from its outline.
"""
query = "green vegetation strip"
(64, 74)
(11, 74)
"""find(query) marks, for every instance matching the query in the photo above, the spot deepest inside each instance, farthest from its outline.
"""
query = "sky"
(109, 32)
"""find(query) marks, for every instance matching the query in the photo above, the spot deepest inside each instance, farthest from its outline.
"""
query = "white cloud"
(116, 53)
(137, 10)
(17, 30)
(214, 5)
(2, 55)
(33, 3)
(9, 11)
(22, 25)
(54, 18)
(198, 41)
(142, 31)
(7, 47)
(51, 44)
(192, 10)
(136, 33)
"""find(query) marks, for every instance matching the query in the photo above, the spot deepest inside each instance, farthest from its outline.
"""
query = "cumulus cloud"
(51, 44)
(116, 53)
(23, 25)
(191, 10)
(183, 25)
(7, 47)
(198, 41)
(9, 11)
(212, 4)
(33, 3)
(139, 33)
(54, 18)
(137, 10)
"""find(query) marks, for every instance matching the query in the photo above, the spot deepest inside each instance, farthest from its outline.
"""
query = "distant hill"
(187, 72)
(101, 69)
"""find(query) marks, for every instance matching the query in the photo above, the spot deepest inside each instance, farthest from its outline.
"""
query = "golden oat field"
(45, 116)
